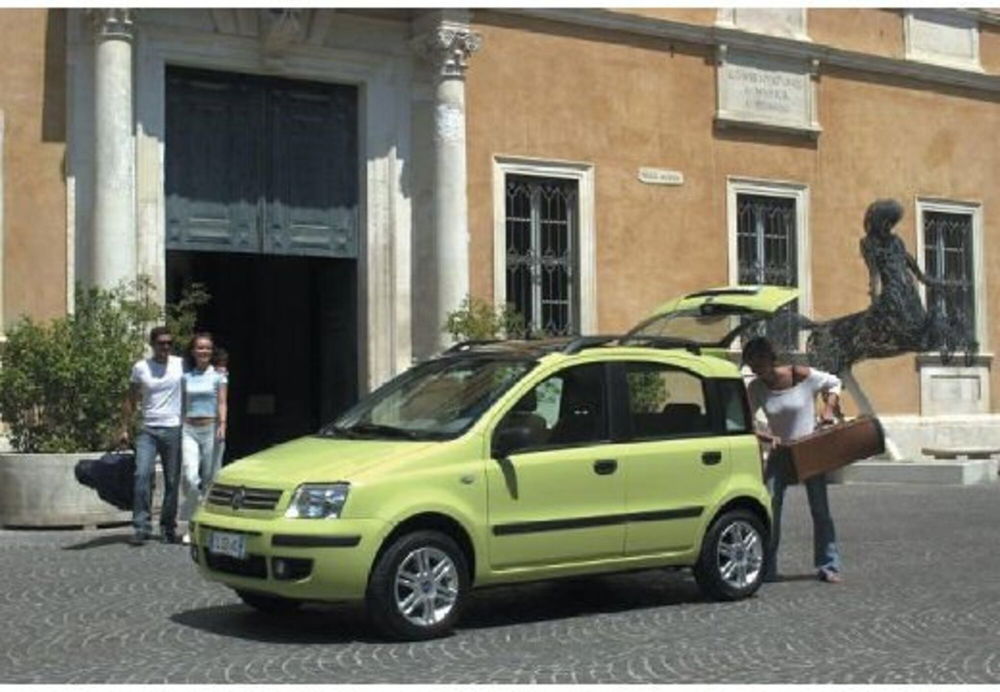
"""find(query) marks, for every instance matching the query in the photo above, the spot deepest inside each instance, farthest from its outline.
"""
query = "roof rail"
(662, 342)
(582, 342)
(466, 345)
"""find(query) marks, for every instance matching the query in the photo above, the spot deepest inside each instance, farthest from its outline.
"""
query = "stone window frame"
(914, 52)
(975, 210)
(929, 364)
(737, 185)
(583, 174)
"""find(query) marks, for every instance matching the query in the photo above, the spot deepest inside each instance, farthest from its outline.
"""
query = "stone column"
(113, 255)
(448, 46)
(2, 327)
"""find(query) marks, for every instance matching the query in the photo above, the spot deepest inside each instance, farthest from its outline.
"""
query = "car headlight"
(318, 501)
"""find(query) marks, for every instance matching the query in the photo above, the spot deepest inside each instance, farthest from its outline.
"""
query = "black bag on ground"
(112, 476)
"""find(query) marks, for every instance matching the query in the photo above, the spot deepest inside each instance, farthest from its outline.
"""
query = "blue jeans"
(826, 557)
(166, 442)
(197, 456)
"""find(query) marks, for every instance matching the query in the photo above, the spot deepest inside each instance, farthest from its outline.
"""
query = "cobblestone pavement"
(920, 603)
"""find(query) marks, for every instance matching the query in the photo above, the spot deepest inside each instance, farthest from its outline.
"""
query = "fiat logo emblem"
(238, 497)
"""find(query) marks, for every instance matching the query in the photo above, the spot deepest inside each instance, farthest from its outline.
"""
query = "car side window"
(732, 394)
(665, 402)
(565, 409)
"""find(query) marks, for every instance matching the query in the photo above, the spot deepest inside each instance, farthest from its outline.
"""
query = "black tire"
(714, 572)
(384, 593)
(272, 605)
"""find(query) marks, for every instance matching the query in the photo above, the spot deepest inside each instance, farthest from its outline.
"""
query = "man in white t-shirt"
(156, 386)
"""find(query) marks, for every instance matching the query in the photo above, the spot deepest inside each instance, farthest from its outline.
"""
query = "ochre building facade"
(584, 165)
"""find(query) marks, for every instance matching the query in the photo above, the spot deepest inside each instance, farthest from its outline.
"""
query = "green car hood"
(318, 459)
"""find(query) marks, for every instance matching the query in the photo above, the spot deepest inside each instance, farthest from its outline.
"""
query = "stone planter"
(39, 490)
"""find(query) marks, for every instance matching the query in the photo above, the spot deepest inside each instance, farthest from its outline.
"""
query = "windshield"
(436, 400)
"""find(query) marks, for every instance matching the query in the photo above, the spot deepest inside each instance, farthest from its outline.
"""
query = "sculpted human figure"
(896, 322)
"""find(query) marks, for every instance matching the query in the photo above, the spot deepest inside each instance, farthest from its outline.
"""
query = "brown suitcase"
(832, 447)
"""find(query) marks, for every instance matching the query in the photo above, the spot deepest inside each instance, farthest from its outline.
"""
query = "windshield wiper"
(382, 431)
(336, 431)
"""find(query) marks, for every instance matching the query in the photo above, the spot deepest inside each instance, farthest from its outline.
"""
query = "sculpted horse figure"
(896, 322)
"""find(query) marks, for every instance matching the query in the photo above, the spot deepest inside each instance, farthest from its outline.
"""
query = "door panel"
(675, 464)
(668, 487)
(550, 507)
(258, 164)
(313, 206)
(560, 497)
(212, 172)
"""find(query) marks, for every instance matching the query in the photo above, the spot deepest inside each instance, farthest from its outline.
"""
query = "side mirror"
(510, 439)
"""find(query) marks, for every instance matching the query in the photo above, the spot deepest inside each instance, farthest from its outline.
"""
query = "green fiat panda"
(511, 461)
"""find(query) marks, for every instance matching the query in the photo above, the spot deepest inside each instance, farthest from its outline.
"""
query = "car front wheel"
(731, 564)
(418, 586)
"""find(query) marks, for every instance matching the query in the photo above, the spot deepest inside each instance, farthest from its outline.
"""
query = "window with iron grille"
(948, 257)
(766, 251)
(542, 252)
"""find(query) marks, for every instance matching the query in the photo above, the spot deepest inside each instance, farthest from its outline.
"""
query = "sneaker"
(138, 538)
(829, 576)
(170, 537)
(186, 539)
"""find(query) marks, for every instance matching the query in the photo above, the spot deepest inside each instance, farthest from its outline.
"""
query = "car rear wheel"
(272, 605)
(418, 586)
(731, 564)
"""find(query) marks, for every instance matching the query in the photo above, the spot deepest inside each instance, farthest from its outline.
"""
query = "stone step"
(926, 472)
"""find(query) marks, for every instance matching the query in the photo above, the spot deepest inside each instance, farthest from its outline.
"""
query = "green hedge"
(62, 382)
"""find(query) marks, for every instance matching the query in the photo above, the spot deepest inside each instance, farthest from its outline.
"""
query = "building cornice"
(788, 47)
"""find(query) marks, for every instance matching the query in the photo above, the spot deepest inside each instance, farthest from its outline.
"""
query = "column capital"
(448, 48)
(112, 22)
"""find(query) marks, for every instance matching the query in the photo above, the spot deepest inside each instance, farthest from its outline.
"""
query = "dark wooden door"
(261, 165)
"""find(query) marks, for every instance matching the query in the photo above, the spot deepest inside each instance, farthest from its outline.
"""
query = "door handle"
(603, 467)
(711, 458)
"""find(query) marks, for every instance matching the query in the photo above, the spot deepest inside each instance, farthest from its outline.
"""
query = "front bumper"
(321, 560)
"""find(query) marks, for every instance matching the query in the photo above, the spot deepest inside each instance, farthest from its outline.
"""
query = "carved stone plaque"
(660, 176)
(942, 37)
(766, 90)
(950, 390)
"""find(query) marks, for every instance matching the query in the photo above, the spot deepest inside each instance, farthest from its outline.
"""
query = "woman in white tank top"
(787, 396)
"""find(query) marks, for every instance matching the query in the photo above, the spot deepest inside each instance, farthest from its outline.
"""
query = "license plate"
(231, 544)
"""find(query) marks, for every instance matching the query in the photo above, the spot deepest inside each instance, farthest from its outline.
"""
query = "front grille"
(251, 498)
(254, 566)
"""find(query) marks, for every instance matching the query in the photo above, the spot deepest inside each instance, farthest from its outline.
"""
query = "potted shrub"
(477, 319)
(62, 384)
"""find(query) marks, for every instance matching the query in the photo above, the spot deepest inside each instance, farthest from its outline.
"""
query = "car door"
(674, 464)
(559, 498)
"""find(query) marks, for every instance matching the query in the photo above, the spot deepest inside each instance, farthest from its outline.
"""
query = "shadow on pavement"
(99, 541)
(810, 576)
(494, 607)
(312, 624)
(577, 596)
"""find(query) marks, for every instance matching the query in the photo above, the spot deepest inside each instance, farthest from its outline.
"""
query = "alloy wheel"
(740, 555)
(426, 586)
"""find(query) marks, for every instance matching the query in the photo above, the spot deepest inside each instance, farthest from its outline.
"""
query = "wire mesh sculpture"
(896, 322)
